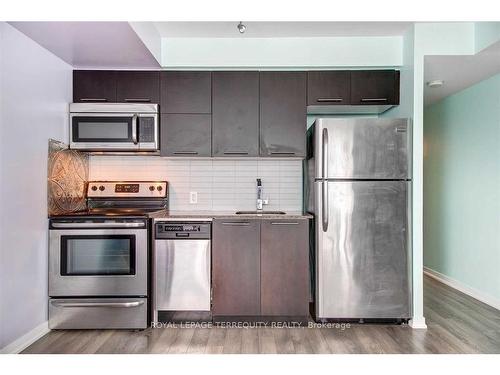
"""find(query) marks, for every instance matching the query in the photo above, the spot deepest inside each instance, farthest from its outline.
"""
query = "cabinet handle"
(98, 304)
(235, 152)
(142, 100)
(282, 153)
(185, 153)
(332, 100)
(93, 100)
(368, 100)
(240, 223)
(285, 223)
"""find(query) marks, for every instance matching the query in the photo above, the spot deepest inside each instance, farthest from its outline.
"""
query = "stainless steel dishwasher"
(181, 280)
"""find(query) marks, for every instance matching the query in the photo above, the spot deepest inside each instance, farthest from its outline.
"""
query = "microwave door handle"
(134, 128)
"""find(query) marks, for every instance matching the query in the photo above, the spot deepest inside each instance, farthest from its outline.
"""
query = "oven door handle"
(99, 225)
(97, 304)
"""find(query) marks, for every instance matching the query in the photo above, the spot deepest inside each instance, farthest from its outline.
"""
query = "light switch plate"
(193, 197)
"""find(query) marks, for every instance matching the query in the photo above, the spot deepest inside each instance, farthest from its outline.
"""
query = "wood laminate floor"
(456, 324)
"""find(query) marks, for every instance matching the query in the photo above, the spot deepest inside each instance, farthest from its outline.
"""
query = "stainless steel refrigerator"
(358, 174)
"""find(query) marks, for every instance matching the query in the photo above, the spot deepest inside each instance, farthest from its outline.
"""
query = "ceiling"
(279, 29)
(459, 72)
(91, 44)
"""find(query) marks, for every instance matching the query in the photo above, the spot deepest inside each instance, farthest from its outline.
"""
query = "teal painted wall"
(462, 187)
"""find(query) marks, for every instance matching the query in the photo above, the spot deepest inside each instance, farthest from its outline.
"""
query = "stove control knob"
(151, 188)
(101, 188)
(159, 188)
(94, 188)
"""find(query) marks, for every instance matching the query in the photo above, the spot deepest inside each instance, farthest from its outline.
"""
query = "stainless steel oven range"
(98, 260)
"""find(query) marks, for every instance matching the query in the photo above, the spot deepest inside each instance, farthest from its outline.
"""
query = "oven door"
(98, 261)
(114, 131)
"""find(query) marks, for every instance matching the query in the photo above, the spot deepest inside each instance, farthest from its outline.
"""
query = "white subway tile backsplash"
(220, 184)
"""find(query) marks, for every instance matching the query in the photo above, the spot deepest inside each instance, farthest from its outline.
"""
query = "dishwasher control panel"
(173, 230)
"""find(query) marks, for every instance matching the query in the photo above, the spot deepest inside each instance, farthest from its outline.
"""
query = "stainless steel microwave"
(113, 127)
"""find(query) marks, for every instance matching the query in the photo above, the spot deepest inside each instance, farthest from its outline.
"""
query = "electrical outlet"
(193, 197)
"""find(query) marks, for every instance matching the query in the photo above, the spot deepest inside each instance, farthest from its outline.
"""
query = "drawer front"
(98, 313)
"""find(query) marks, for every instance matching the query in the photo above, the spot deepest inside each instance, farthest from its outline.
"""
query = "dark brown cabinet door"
(282, 113)
(94, 86)
(285, 267)
(328, 88)
(186, 92)
(236, 267)
(185, 134)
(235, 114)
(138, 87)
(375, 87)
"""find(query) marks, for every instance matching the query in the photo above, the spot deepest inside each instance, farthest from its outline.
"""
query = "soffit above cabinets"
(280, 29)
(187, 45)
(103, 45)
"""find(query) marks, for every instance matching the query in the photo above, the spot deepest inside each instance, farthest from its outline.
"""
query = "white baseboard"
(417, 323)
(455, 284)
(26, 340)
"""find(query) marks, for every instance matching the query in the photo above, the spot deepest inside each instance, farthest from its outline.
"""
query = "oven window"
(98, 255)
(102, 129)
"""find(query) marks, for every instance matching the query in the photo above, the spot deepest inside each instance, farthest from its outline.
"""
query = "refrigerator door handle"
(324, 205)
(324, 155)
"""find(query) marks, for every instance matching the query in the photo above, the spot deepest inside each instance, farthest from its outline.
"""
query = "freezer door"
(362, 252)
(360, 148)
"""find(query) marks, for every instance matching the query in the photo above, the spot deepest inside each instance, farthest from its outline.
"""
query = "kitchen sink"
(260, 213)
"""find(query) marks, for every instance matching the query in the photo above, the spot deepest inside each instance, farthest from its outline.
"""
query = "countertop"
(208, 215)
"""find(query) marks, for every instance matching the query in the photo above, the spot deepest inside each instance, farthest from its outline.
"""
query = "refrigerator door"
(362, 148)
(362, 251)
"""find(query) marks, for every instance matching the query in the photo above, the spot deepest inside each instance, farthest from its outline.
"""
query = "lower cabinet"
(260, 267)
(236, 267)
(284, 267)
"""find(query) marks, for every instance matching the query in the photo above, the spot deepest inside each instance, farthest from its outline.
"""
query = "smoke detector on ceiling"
(435, 83)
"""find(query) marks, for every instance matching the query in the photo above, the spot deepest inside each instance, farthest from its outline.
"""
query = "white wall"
(35, 91)
(222, 185)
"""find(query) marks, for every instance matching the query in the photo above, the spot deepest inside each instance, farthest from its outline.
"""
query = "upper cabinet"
(94, 86)
(186, 121)
(138, 87)
(329, 88)
(186, 92)
(282, 113)
(185, 134)
(235, 114)
(375, 87)
(352, 92)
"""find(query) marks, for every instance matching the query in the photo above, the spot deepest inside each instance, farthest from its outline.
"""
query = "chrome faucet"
(260, 201)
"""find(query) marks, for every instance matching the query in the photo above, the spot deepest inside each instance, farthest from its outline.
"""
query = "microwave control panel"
(146, 129)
